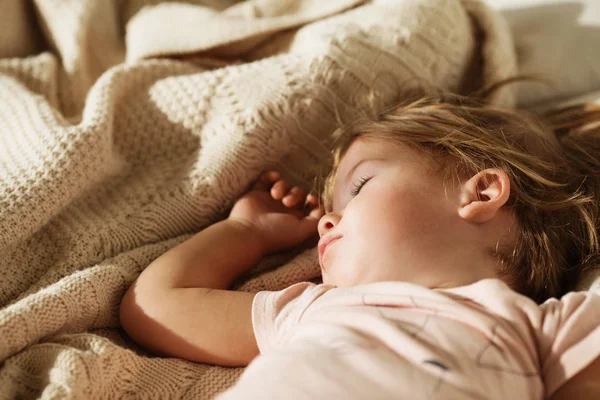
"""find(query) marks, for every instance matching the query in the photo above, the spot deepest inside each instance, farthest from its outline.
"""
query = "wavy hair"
(553, 162)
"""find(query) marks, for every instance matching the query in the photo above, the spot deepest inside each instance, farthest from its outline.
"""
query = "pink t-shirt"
(399, 340)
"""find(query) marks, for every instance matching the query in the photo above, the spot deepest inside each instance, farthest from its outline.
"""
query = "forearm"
(213, 258)
(180, 306)
(172, 309)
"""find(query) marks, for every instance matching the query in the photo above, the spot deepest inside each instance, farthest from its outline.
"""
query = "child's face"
(401, 226)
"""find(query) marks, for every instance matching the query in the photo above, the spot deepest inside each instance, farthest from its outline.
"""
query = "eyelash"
(358, 186)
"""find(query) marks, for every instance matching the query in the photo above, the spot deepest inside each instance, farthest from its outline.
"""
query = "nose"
(328, 222)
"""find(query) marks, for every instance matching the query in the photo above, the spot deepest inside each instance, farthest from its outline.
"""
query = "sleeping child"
(450, 232)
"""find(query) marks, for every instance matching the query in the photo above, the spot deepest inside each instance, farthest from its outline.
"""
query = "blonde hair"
(553, 165)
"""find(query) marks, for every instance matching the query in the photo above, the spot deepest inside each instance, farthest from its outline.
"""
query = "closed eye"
(359, 185)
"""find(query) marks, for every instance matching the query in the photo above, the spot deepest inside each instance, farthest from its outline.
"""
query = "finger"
(295, 196)
(280, 189)
(316, 213)
(266, 179)
(308, 227)
(312, 200)
(314, 208)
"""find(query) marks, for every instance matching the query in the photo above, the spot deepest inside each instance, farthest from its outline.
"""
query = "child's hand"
(282, 215)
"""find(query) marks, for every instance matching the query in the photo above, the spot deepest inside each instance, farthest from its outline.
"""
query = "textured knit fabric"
(397, 340)
(128, 126)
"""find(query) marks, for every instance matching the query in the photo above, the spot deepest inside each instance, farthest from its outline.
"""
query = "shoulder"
(293, 292)
(286, 302)
(276, 313)
(495, 295)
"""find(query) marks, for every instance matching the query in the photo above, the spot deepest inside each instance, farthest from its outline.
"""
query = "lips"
(324, 242)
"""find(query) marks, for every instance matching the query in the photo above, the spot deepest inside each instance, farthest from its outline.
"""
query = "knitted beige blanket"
(128, 126)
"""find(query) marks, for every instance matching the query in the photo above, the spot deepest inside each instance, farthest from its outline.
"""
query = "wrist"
(249, 230)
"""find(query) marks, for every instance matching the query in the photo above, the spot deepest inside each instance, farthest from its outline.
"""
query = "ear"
(484, 194)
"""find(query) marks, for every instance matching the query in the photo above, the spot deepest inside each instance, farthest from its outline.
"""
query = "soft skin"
(405, 225)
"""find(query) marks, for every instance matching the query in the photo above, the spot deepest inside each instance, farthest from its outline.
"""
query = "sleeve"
(571, 330)
(275, 313)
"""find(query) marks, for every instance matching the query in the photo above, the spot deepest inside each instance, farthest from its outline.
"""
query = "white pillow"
(559, 39)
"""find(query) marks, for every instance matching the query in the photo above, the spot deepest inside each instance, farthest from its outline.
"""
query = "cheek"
(395, 218)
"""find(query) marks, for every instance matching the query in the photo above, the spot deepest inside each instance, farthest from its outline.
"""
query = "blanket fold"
(126, 127)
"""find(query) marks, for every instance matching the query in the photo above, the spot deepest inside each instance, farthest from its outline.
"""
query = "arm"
(583, 386)
(179, 305)
(171, 309)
